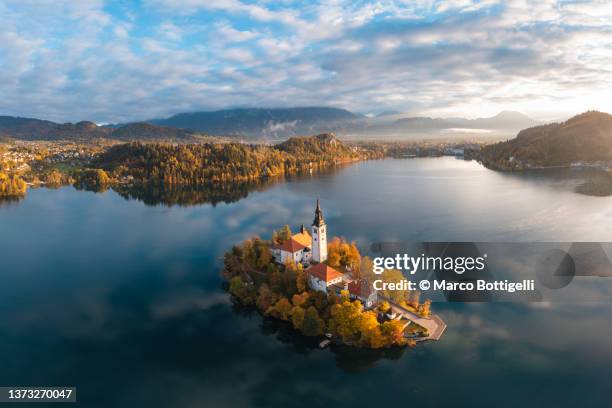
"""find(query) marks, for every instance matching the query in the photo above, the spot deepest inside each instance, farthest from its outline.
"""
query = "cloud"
(230, 34)
(69, 61)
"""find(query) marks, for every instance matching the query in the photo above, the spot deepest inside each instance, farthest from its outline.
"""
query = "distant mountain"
(388, 113)
(506, 120)
(584, 138)
(279, 123)
(36, 129)
(263, 122)
(147, 131)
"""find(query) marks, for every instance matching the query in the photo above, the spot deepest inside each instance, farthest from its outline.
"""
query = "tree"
(265, 298)
(393, 275)
(318, 300)
(243, 292)
(383, 307)
(301, 281)
(333, 259)
(297, 317)
(425, 308)
(392, 332)
(93, 179)
(345, 319)
(312, 325)
(284, 234)
(366, 269)
(54, 178)
(290, 281)
(263, 256)
(299, 298)
(12, 185)
(341, 253)
(369, 330)
(276, 281)
(282, 309)
(354, 260)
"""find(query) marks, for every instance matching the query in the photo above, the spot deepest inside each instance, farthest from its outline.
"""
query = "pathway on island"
(434, 324)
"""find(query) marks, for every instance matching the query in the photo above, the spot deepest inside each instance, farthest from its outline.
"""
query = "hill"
(506, 120)
(262, 122)
(205, 163)
(584, 138)
(147, 131)
(324, 146)
(36, 129)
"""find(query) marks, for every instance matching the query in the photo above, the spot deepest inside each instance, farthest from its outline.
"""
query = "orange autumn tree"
(341, 253)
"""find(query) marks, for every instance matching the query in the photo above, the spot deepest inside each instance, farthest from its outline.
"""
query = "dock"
(434, 324)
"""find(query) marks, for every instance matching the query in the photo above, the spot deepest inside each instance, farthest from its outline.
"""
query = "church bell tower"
(319, 236)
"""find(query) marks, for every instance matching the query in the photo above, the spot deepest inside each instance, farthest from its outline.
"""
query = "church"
(310, 250)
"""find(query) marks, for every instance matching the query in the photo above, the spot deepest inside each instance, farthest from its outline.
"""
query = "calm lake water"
(124, 300)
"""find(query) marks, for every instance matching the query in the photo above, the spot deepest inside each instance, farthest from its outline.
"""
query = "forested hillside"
(221, 162)
(585, 138)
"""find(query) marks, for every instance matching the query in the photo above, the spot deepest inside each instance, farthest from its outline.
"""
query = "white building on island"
(310, 249)
(322, 276)
(319, 236)
(296, 249)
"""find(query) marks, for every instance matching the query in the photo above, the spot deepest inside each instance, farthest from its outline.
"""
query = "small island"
(323, 289)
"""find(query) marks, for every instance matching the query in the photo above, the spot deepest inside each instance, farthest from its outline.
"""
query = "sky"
(118, 61)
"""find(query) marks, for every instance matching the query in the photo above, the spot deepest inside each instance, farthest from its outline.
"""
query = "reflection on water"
(124, 300)
(8, 200)
(587, 181)
(184, 195)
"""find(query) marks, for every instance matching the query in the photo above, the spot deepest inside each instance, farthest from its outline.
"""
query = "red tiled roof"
(324, 272)
(303, 238)
(360, 287)
(291, 245)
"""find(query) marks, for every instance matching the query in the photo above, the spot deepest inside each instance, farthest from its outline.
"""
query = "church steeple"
(319, 236)
(318, 219)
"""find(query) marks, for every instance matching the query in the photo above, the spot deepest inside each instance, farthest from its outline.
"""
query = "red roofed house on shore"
(322, 276)
(362, 290)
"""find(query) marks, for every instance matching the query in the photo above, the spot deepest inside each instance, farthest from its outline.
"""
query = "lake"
(123, 299)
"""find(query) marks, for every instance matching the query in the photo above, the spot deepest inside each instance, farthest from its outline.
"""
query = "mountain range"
(36, 129)
(278, 123)
(265, 123)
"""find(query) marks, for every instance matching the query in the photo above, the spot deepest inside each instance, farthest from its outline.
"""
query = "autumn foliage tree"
(341, 253)
(12, 185)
